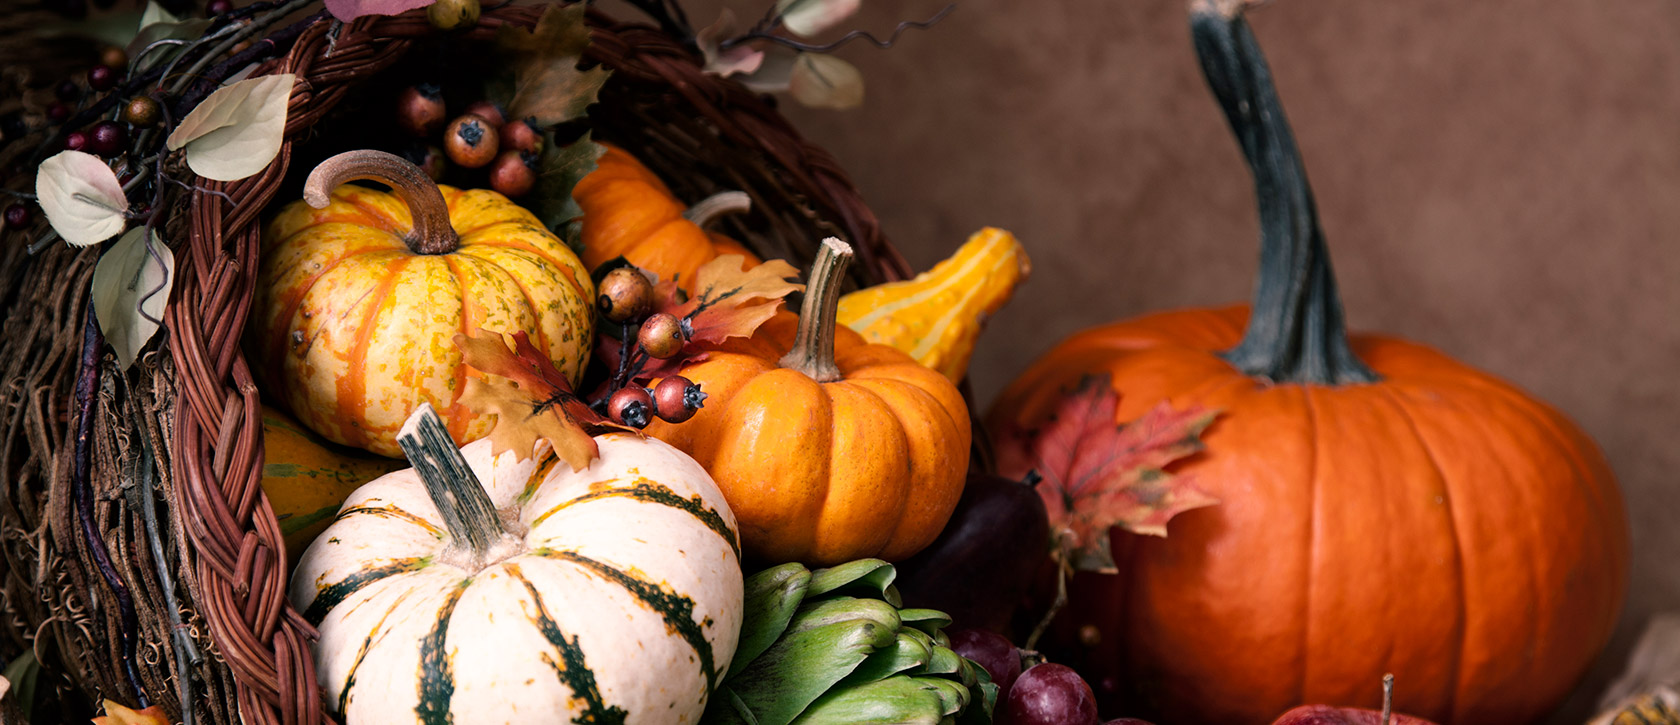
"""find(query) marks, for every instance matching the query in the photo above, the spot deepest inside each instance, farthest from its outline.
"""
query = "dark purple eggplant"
(983, 563)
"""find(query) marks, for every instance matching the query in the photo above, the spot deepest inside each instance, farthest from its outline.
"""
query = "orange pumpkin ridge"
(828, 448)
(1383, 508)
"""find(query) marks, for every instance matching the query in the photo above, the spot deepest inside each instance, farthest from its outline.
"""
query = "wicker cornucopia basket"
(142, 559)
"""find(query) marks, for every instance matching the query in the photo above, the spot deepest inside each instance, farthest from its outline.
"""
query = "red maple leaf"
(1098, 475)
(530, 399)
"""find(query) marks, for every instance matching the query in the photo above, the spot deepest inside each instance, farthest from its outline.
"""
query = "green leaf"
(237, 131)
(542, 81)
(953, 696)
(871, 575)
(806, 18)
(81, 197)
(558, 171)
(893, 700)
(942, 661)
(21, 675)
(844, 609)
(982, 705)
(772, 597)
(819, 80)
(908, 653)
(803, 665)
(927, 620)
(157, 24)
(131, 285)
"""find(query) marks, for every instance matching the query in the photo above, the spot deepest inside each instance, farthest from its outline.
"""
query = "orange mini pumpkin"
(628, 212)
(360, 294)
(828, 448)
(1383, 508)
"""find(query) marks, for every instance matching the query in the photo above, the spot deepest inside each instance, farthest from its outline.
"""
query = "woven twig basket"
(179, 525)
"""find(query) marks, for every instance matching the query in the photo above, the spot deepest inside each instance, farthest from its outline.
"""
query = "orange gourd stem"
(1296, 332)
(812, 353)
(432, 232)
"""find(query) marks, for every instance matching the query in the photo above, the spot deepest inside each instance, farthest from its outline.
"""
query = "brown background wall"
(1498, 179)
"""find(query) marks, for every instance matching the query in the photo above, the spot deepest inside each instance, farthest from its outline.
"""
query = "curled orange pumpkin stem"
(432, 233)
(813, 347)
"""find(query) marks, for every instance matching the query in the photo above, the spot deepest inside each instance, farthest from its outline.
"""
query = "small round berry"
(107, 138)
(470, 141)
(420, 110)
(58, 112)
(677, 398)
(429, 158)
(113, 57)
(632, 406)
(142, 112)
(453, 14)
(521, 136)
(19, 216)
(511, 174)
(103, 77)
(76, 141)
(217, 7)
(661, 336)
(67, 90)
(624, 295)
(489, 112)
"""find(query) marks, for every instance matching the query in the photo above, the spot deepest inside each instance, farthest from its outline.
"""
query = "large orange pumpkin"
(827, 448)
(360, 294)
(1383, 508)
(628, 212)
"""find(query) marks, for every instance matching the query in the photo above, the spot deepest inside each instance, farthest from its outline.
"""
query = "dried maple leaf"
(728, 301)
(117, 714)
(1098, 475)
(530, 399)
(542, 81)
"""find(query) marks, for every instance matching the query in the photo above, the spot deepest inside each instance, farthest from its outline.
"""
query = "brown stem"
(1388, 697)
(707, 210)
(813, 347)
(432, 232)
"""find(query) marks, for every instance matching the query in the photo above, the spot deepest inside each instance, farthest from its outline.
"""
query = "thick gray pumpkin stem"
(468, 513)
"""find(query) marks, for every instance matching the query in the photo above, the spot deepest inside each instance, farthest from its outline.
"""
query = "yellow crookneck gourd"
(937, 317)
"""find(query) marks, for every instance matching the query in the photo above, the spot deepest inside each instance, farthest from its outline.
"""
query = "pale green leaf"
(81, 197)
(872, 575)
(824, 81)
(772, 597)
(131, 286)
(156, 13)
(775, 71)
(21, 675)
(809, 17)
(159, 24)
(899, 700)
(776, 686)
(237, 131)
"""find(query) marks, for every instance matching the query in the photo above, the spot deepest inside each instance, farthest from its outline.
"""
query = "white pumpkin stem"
(432, 233)
(813, 347)
(1388, 697)
(724, 202)
(468, 513)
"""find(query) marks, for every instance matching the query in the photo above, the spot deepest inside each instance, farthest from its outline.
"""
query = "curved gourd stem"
(432, 232)
(813, 347)
(1296, 332)
(468, 513)
(707, 210)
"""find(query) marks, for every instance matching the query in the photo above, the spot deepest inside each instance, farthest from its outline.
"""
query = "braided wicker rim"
(238, 556)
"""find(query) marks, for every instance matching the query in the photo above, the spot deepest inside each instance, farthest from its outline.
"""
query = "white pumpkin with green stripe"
(534, 594)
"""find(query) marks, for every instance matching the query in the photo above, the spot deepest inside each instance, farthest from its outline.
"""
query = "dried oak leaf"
(117, 714)
(1098, 475)
(728, 301)
(530, 399)
(542, 80)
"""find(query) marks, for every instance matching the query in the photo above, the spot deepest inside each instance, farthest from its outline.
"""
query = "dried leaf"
(558, 171)
(721, 62)
(237, 131)
(155, 14)
(542, 80)
(729, 301)
(775, 71)
(348, 10)
(162, 26)
(131, 285)
(824, 81)
(1098, 475)
(808, 17)
(117, 714)
(531, 400)
(81, 197)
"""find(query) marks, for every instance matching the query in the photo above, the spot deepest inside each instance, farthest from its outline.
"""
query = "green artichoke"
(834, 646)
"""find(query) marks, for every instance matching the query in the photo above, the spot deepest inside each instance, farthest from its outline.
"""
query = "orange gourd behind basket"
(628, 212)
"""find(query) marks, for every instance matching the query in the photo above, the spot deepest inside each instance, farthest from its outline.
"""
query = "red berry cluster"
(481, 136)
(625, 297)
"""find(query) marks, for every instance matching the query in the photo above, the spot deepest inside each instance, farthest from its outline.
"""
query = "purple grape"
(989, 650)
(1052, 694)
